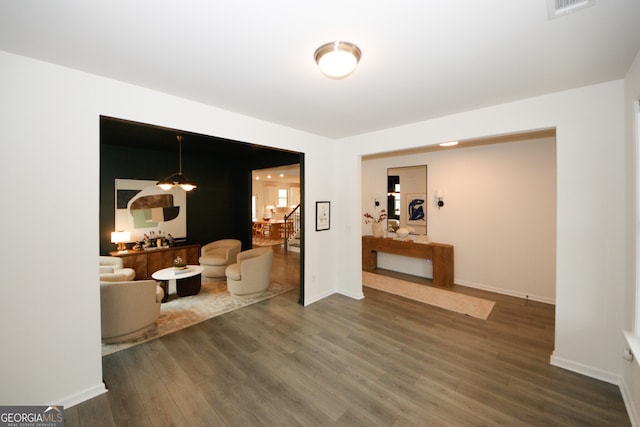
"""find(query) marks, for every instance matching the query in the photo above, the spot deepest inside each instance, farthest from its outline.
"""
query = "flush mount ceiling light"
(448, 144)
(177, 178)
(337, 59)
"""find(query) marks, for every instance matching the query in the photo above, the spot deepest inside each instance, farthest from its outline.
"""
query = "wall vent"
(557, 8)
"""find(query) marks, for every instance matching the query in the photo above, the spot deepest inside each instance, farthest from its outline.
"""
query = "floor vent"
(559, 8)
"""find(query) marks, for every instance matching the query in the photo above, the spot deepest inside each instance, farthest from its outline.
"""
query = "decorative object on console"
(121, 238)
(402, 233)
(369, 219)
(376, 222)
(177, 179)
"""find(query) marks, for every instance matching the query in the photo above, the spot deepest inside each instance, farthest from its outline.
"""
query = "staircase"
(293, 243)
(292, 230)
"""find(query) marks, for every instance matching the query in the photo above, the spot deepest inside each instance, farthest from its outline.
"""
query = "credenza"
(148, 261)
(440, 254)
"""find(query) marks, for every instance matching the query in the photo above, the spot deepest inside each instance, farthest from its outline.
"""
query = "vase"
(377, 229)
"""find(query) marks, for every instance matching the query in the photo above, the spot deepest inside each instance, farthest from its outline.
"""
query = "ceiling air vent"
(558, 8)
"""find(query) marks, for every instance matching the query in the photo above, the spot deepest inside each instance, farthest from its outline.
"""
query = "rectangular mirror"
(407, 198)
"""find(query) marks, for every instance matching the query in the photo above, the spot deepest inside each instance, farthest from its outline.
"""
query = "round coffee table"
(188, 281)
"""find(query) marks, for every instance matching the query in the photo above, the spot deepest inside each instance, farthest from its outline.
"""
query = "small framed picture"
(323, 216)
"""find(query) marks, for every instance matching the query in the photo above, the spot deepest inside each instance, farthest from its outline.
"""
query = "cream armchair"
(251, 275)
(216, 256)
(128, 309)
(112, 270)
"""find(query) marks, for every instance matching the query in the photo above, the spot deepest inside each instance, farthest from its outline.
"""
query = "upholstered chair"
(112, 270)
(128, 309)
(251, 275)
(216, 256)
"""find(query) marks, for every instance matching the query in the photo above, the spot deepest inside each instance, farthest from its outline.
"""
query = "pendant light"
(177, 178)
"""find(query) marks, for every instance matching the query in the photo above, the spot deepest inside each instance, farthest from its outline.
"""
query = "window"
(282, 197)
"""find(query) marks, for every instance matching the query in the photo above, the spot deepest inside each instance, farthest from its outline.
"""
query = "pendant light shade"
(337, 59)
(177, 178)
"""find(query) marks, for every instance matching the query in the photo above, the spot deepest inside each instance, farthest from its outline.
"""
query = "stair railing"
(291, 225)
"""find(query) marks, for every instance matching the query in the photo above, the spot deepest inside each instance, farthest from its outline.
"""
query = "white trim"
(636, 305)
(633, 343)
(522, 295)
(589, 371)
(83, 395)
(628, 403)
(357, 296)
(311, 300)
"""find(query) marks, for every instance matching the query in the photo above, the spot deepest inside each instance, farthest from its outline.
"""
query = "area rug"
(179, 313)
(471, 306)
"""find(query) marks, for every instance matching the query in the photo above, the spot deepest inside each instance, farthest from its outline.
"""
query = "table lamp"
(120, 237)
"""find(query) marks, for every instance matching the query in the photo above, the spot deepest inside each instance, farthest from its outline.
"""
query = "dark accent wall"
(219, 208)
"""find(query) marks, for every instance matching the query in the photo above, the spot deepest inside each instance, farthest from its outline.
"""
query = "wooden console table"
(441, 255)
(147, 262)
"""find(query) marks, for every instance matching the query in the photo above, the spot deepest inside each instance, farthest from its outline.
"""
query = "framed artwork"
(416, 209)
(141, 207)
(323, 216)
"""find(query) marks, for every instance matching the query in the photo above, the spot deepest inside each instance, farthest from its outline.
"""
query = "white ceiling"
(420, 58)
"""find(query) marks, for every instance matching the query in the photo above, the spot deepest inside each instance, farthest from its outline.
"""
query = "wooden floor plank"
(380, 361)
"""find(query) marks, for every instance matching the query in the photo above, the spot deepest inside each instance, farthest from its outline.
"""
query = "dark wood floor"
(380, 361)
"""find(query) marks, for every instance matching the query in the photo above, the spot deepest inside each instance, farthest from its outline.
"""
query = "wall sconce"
(439, 198)
(121, 238)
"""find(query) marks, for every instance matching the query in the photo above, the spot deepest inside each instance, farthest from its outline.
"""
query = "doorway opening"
(219, 208)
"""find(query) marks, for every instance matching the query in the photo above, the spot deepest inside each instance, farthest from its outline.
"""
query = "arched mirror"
(407, 198)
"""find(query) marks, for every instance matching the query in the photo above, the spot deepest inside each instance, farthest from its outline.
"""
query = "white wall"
(499, 213)
(50, 128)
(590, 247)
(49, 156)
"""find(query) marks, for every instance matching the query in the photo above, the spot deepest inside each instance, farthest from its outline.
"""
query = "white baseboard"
(634, 417)
(83, 395)
(506, 292)
(357, 295)
(589, 371)
(316, 298)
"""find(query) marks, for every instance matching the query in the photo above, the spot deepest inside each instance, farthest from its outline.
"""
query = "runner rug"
(179, 313)
(471, 306)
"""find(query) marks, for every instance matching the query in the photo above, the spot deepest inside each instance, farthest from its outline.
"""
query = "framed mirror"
(407, 198)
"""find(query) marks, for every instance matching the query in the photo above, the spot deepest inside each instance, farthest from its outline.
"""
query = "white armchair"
(112, 270)
(216, 256)
(251, 275)
(128, 309)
